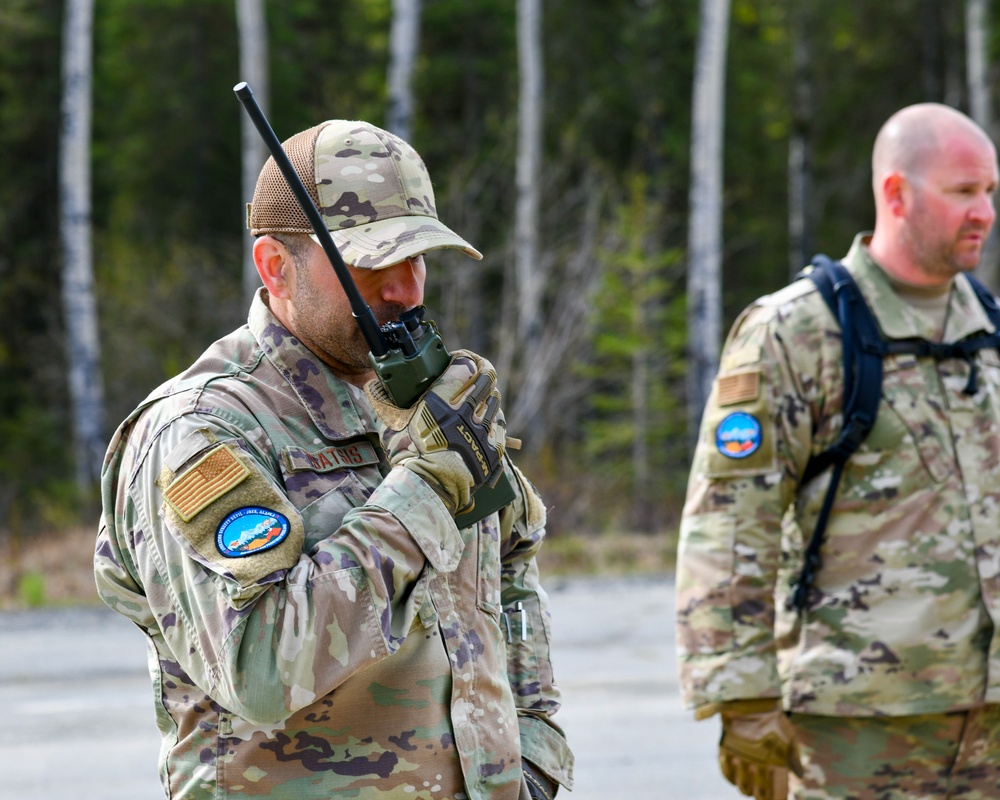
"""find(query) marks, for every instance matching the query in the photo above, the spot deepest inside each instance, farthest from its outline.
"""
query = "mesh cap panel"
(274, 208)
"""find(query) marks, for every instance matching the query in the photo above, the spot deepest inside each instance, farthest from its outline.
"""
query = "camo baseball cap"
(371, 188)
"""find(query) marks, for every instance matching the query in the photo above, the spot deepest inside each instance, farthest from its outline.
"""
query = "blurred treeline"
(609, 450)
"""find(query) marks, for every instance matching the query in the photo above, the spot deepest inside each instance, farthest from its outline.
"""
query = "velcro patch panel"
(738, 387)
(356, 454)
(205, 482)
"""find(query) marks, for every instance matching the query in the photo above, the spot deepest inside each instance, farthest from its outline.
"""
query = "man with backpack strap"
(870, 669)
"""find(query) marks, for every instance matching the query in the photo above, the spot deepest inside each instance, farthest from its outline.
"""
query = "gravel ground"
(76, 718)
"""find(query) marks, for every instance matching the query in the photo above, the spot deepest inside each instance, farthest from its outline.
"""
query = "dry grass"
(56, 568)
(617, 553)
(52, 568)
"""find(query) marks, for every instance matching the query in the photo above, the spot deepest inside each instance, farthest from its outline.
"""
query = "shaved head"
(910, 139)
(934, 172)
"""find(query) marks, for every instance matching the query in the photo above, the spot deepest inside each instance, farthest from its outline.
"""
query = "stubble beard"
(939, 257)
(332, 332)
(956, 256)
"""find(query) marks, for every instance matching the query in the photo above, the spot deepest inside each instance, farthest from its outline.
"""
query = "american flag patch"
(738, 387)
(205, 482)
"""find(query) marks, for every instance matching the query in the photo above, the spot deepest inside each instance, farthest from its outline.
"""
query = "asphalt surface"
(76, 715)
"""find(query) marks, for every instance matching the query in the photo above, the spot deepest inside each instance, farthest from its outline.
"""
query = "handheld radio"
(407, 354)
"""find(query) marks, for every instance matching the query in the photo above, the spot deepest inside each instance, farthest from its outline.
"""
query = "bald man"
(886, 683)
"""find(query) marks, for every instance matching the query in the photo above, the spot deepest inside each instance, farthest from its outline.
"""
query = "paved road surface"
(76, 718)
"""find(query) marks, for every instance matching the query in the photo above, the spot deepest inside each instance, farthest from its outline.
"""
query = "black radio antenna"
(362, 312)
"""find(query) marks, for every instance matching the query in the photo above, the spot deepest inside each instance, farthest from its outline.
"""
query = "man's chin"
(967, 262)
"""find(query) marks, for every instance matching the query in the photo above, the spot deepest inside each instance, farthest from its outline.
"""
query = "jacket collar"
(897, 320)
(337, 408)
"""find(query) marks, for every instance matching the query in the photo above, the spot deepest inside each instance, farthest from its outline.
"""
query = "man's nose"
(403, 283)
(984, 210)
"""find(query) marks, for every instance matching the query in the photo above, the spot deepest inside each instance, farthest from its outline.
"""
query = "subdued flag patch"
(738, 387)
(205, 482)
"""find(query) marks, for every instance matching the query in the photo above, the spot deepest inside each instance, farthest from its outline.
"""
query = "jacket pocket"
(336, 493)
(910, 441)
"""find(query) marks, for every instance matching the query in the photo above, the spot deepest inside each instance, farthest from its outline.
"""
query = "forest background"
(597, 385)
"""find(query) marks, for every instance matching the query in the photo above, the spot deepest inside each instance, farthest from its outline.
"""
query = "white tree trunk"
(519, 350)
(79, 303)
(404, 43)
(530, 279)
(704, 294)
(977, 23)
(252, 26)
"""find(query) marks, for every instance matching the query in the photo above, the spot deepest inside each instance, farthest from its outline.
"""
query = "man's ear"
(274, 264)
(894, 193)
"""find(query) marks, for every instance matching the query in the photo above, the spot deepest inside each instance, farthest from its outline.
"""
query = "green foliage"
(35, 448)
(31, 589)
(636, 366)
(36, 467)
(168, 210)
(758, 117)
(328, 61)
(158, 317)
(166, 123)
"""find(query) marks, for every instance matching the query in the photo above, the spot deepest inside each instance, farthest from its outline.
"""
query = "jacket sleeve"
(527, 622)
(754, 440)
(266, 634)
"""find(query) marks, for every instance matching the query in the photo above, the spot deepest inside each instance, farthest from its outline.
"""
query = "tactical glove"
(454, 435)
(537, 783)
(756, 749)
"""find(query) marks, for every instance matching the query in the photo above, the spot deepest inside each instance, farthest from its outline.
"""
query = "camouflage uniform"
(902, 621)
(930, 756)
(317, 624)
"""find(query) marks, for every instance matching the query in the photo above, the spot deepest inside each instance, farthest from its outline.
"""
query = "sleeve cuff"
(424, 516)
(721, 677)
(544, 745)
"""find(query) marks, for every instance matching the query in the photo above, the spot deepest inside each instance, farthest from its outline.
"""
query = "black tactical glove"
(454, 435)
(538, 785)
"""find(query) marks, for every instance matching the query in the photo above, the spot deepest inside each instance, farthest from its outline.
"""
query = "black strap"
(862, 358)
(863, 352)
(864, 348)
(992, 309)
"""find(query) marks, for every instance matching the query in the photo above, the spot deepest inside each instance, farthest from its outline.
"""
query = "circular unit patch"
(738, 435)
(250, 530)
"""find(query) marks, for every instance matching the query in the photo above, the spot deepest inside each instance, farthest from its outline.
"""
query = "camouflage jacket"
(317, 624)
(903, 617)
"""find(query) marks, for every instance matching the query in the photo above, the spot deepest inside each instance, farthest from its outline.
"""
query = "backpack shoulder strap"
(863, 349)
(968, 347)
(987, 299)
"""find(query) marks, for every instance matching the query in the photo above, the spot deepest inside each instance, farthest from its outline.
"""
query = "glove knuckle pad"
(468, 439)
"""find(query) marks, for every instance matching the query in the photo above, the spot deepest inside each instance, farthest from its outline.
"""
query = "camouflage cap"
(371, 188)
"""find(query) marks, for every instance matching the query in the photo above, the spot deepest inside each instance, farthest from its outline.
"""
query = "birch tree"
(524, 279)
(977, 24)
(404, 43)
(252, 26)
(704, 292)
(530, 280)
(799, 143)
(79, 303)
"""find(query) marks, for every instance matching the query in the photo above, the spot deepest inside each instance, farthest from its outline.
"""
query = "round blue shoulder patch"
(250, 530)
(738, 435)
